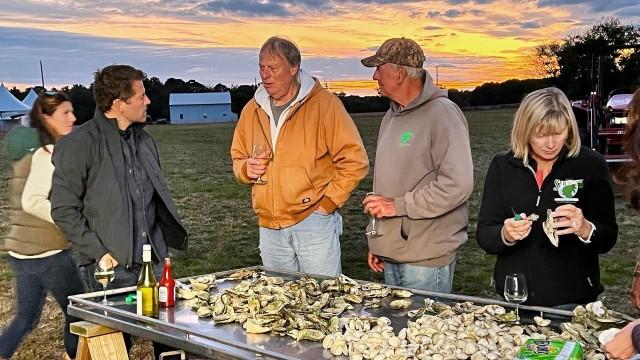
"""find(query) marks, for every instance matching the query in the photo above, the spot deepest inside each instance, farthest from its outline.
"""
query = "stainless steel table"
(181, 328)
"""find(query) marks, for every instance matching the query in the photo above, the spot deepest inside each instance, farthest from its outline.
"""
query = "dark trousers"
(57, 274)
(124, 278)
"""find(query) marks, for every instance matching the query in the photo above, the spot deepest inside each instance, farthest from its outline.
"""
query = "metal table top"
(181, 328)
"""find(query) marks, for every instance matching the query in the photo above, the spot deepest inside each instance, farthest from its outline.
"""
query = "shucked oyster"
(400, 304)
(548, 228)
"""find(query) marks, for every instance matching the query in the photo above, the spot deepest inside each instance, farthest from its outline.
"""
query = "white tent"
(9, 105)
(30, 98)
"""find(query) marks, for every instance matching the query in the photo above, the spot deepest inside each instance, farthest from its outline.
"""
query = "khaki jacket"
(28, 234)
(318, 157)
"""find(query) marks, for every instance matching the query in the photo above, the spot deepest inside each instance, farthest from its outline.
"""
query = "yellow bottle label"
(145, 296)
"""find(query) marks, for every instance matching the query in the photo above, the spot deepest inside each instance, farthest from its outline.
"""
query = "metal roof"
(211, 98)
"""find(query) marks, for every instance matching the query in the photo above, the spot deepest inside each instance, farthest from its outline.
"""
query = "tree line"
(606, 55)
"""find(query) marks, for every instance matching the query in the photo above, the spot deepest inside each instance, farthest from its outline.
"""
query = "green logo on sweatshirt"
(405, 138)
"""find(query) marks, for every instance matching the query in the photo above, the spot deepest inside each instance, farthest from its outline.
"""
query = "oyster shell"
(540, 321)
(400, 304)
(607, 335)
(401, 293)
(548, 228)
(253, 327)
(204, 311)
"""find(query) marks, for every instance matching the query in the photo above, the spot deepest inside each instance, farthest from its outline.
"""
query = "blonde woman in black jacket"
(549, 174)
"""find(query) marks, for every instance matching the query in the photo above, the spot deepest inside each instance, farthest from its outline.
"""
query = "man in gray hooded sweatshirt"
(423, 174)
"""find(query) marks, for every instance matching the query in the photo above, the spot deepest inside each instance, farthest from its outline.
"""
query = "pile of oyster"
(306, 309)
(463, 331)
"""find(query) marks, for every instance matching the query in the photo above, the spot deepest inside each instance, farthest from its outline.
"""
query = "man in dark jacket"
(109, 195)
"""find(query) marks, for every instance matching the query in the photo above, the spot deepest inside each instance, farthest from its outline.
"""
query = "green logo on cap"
(405, 138)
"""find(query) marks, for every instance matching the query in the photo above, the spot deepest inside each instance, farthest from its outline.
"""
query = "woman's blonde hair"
(544, 111)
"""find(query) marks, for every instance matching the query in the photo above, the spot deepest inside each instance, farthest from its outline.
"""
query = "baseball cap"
(399, 51)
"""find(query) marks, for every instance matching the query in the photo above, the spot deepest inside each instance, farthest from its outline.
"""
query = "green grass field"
(223, 230)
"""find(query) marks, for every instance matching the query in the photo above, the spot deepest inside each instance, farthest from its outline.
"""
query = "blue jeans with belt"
(311, 246)
(56, 274)
(438, 279)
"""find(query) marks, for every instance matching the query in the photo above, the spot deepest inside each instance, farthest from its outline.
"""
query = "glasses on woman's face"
(50, 93)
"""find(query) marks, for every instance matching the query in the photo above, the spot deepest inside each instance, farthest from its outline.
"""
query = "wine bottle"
(167, 286)
(147, 289)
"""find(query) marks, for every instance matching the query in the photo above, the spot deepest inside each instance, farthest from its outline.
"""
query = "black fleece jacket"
(569, 273)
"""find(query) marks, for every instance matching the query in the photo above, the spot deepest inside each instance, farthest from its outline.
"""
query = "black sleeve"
(67, 191)
(599, 208)
(491, 217)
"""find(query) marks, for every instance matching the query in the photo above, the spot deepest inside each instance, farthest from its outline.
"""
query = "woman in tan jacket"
(38, 252)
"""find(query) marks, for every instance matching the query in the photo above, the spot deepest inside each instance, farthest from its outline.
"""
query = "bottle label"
(138, 302)
(163, 294)
(145, 301)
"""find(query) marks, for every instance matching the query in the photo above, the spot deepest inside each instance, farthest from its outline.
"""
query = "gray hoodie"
(423, 161)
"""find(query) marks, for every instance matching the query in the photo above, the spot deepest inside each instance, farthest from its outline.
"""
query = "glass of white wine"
(515, 291)
(373, 221)
(263, 153)
(104, 274)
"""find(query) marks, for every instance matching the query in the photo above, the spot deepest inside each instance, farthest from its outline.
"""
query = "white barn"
(197, 108)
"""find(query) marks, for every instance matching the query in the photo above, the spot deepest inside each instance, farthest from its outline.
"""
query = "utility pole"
(437, 82)
(41, 74)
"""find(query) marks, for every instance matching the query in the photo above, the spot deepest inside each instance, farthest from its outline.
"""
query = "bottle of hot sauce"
(167, 286)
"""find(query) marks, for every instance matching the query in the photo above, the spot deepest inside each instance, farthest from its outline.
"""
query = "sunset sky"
(216, 41)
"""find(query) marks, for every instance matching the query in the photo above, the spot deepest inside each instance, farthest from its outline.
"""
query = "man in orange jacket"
(302, 153)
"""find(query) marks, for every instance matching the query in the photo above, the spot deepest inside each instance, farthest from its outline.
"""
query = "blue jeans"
(57, 274)
(311, 246)
(438, 279)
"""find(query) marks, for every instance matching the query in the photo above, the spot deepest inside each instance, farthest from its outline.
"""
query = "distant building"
(197, 108)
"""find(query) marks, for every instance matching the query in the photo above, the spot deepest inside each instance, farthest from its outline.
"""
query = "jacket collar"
(307, 89)
(108, 127)
(429, 92)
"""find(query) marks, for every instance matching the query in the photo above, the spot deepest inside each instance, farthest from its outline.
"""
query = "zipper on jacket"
(539, 186)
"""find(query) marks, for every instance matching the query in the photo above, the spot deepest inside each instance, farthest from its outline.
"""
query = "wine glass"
(104, 274)
(373, 221)
(515, 291)
(263, 153)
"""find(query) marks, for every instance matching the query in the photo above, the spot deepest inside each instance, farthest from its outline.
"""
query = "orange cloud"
(472, 43)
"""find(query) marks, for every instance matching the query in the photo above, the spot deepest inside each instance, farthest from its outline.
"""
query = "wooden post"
(98, 342)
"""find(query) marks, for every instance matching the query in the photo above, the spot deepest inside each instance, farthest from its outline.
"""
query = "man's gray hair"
(412, 72)
(283, 48)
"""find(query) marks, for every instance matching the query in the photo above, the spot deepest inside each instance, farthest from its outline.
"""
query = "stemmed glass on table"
(263, 153)
(104, 274)
(373, 221)
(515, 291)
